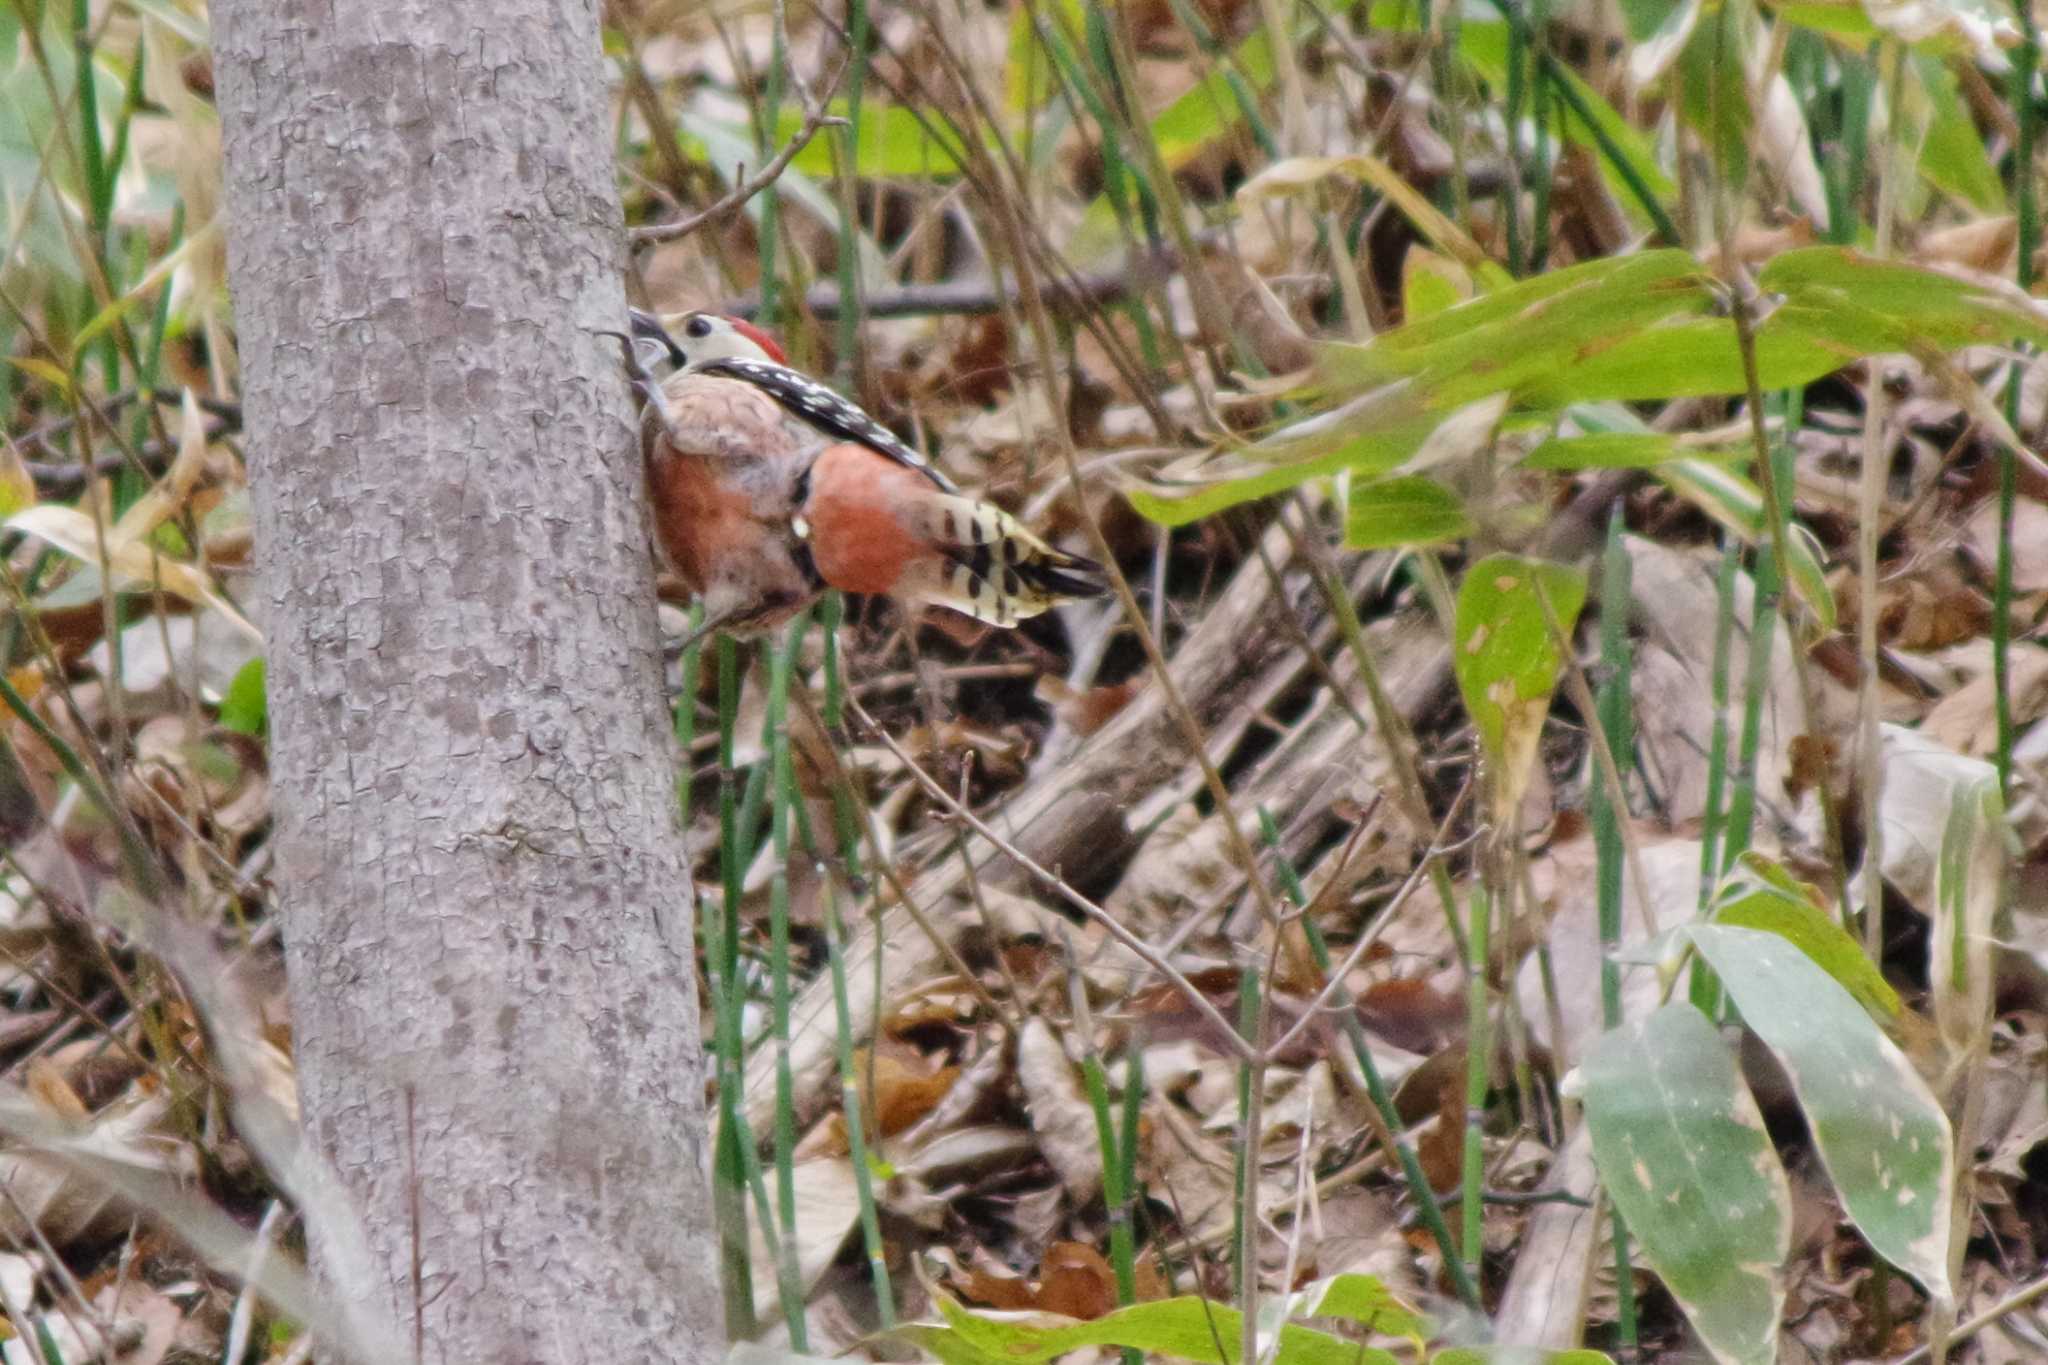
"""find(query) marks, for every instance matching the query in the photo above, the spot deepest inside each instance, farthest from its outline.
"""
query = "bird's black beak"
(647, 329)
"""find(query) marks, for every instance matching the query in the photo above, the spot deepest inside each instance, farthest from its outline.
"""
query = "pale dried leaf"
(73, 532)
(1060, 1113)
(827, 1207)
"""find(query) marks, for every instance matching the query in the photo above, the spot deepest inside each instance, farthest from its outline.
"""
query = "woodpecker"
(768, 487)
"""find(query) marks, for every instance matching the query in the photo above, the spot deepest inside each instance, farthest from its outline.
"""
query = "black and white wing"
(825, 409)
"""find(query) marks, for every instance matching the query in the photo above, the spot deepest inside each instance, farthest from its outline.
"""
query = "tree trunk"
(487, 906)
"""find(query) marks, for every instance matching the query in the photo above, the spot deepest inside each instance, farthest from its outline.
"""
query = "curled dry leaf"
(902, 1093)
(1061, 1117)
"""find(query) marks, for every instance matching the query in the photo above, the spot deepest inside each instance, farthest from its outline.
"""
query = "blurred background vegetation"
(1265, 927)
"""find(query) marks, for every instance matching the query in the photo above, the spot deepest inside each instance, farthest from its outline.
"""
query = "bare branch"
(1144, 270)
(815, 118)
(1227, 1034)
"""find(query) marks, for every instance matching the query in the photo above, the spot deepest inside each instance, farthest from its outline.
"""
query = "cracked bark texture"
(486, 902)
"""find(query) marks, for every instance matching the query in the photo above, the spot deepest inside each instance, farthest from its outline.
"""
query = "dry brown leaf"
(1075, 1280)
(902, 1094)
(1441, 1148)
(1412, 1013)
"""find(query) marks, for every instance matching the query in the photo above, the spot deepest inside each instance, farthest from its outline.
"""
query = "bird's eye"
(699, 327)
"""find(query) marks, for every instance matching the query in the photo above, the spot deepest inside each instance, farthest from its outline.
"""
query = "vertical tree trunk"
(488, 911)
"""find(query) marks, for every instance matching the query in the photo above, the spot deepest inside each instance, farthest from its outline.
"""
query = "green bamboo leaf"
(1953, 157)
(894, 145)
(1190, 1327)
(1859, 305)
(1373, 452)
(1519, 1355)
(245, 709)
(1529, 333)
(1410, 510)
(731, 152)
(1685, 357)
(1713, 86)
(1842, 20)
(1028, 71)
(17, 485)
(1507, 661)
(1880, 1132)
(1363, 1299)
(1760, 895)
(1605, 450)
(56, 376)
(1683, 1153)
(1430, 283)
(1209, 109)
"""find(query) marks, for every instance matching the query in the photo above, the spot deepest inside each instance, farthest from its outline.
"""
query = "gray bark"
(487, 906)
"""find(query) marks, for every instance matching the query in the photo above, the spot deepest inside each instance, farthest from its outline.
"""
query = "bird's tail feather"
(993, 569)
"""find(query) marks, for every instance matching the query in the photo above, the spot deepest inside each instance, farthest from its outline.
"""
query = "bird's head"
(695, 339)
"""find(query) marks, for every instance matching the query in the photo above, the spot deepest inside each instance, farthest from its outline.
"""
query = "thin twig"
(2005, 1307)
(815, 118)
(1227, 1034)
(1083, 292)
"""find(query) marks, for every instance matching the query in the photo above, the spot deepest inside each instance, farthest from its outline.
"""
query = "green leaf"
(245, 709)
(1883, 1137)
(1604, 450)
(730, 151)
(55, 376)
(1190, 1327)
(1683, 1153)
(894, 145)
(1519, 1355)
(1430, 283)
(1713, 86)
(1847, 23)
(1760, 895)
(1363, 1299)
(1529, 334)
(1686, 357)
(1373, 451)
(1953, 157)
(1508, 662)
(1028, 71)
(1859, 305)
(17, 485)
(1410, 510)
(1209, 109)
